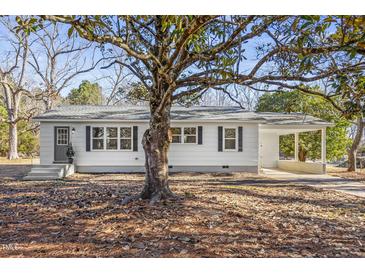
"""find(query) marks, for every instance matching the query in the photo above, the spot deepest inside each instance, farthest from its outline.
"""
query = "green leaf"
(70, 31)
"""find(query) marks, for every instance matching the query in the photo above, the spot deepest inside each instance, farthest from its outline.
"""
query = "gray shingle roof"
(196, 113)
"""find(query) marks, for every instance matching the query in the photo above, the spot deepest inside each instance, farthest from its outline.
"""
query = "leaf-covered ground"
(220, 215)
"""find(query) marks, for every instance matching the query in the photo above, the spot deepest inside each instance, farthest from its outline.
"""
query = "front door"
(62, 138)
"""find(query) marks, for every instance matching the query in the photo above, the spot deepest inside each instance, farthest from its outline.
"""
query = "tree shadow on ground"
(83, 217)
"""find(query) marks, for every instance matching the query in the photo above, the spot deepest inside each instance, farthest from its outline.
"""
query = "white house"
(205, 139)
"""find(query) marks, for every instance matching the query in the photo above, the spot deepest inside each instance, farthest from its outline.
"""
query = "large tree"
(178, 56)
(58, 59)
(13, 84)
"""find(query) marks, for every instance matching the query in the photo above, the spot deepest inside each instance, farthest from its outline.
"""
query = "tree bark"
(13, 141)
(355, 144)
(156, 142)
(302, 154)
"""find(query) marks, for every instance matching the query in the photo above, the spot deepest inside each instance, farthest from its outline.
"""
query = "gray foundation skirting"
(138, 169)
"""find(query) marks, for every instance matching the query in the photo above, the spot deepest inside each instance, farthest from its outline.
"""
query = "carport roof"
(178, 113)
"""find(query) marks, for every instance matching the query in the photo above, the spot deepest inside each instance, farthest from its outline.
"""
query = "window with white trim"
(184, 135)
(97, 138)
(189, 135)
(62, 136)
(125, 138)
(230, 138)
(176, 135)
(111, 138)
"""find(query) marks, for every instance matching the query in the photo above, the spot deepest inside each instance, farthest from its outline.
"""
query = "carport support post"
(323, 145)
(296, 146)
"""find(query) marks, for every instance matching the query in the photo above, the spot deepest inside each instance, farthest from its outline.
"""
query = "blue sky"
(99, 74)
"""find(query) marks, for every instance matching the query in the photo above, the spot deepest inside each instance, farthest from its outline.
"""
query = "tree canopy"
(86, 94)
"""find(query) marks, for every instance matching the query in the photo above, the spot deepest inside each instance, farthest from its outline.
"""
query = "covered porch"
(270, 155)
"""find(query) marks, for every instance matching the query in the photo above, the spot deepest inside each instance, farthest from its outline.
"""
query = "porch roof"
(178, 113)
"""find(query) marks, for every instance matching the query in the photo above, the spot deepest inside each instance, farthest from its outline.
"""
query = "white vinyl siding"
(179, 155)
(207, 154)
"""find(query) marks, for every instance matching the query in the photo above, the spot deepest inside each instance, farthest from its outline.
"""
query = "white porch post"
(296, 144)
(323, 145)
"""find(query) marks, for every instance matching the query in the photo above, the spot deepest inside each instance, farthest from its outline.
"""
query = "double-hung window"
(230, 138)
(98, 138)
(186, 135)
(125, 138)
(176, 135)
(189, 135)
(111, 138)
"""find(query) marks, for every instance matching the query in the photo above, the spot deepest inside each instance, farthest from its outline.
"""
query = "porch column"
(296, 144)
(323, 145)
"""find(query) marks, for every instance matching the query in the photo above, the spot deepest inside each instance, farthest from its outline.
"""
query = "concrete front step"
(45, 174)
(46, 170)
(49, 172)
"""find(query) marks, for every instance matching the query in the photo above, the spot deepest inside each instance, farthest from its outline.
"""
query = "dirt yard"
(342, 172)
(222, 215)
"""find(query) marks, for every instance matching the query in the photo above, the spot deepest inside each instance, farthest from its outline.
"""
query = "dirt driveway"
(341, 182)
(219, 215)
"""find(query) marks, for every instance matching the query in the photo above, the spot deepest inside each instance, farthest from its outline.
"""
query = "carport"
(269, 154)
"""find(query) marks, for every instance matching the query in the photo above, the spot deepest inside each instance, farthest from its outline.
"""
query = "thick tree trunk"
(302, 154)
(156, 142)
(355, 144)
(13, 142)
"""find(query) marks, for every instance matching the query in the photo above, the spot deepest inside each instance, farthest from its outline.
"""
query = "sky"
(97, 75)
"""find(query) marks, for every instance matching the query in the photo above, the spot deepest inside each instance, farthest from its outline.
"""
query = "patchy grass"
(220, 215)
(22, 161)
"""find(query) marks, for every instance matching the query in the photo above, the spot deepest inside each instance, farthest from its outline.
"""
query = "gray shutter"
(200, 135)
(135, 138)
(87, 138)
(220, 138)
(240, 139)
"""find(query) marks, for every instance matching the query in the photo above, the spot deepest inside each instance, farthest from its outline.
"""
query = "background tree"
(177, 56)
(244, 97)
(333, 41)
(355, 87)
(86, 94)
(118, 84)
(63, 59)
(297, 101)
(13, 83)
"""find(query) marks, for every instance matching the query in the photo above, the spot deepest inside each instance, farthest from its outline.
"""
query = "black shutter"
(220, 138)
(87, 138)
(200, 135)
(240, 139)
(135, 138)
